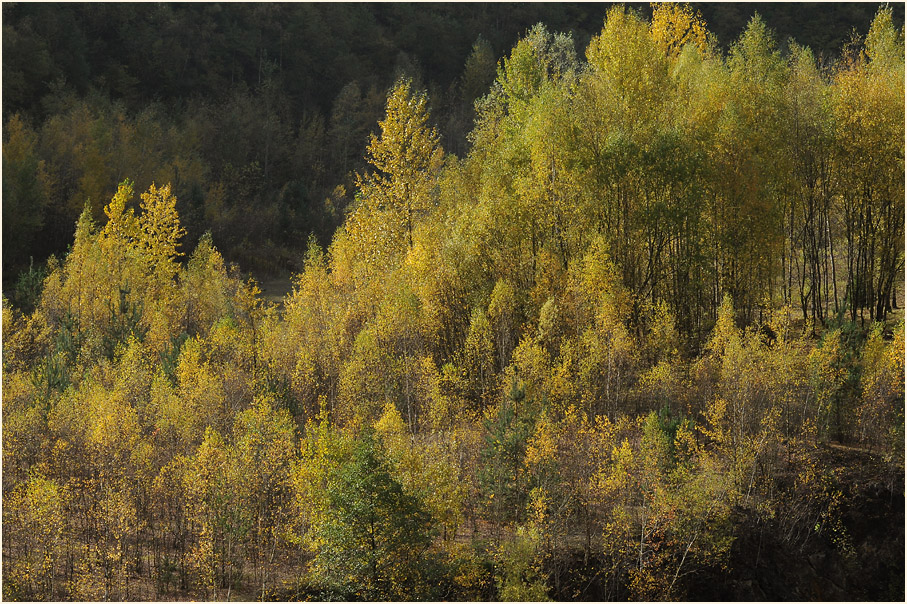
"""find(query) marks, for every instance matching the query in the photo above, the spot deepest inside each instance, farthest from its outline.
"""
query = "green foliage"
(125, 319)
(519, 578)
(28, 288)
(504, 484)
(374, 538)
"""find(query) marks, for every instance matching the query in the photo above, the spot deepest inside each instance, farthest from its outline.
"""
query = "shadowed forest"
(586, 302)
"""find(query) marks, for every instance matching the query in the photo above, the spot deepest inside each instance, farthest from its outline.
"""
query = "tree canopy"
(642, 327)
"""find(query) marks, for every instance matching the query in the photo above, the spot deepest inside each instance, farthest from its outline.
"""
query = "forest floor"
(760, 566)
(858, 554)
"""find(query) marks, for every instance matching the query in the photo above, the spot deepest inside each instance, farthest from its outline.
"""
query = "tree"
(882, 389)
(262, 455)
(633, 143)
(745, 211)
(407, 157)
(478, 74)
(425, 469)
(504, 317)
(36, 515)
(808, 211)
(868, 106)
(478, 358)
(674, 25)
(502, 477)
(26, 189)
(217, 520)
(519, 577)
(479, 70)
(375, 536)
(205, 288)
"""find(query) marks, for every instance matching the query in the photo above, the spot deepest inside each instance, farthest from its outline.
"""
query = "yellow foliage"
(630, 71)
(200, 399)
(322, 450)
(392, 429)
(408, 157)
(113, 426)
(542, 446)
(503, 313)
(675, 25)
(35, 513)
(827, 375)
(205, 287)
(662, 383)
(714, 427)
(25, 339)
(478, 356)
(880, 415)
(160, 232)
(663, 337)
(531, 362)
(122, 228)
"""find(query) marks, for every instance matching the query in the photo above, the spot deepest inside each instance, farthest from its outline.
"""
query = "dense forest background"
(258, 116)
(587, 302)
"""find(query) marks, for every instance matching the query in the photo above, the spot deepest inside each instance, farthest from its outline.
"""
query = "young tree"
(35, 517)
(406, 157)
(374, 538)
(478, 358)
(263, 452)
(880, 416)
